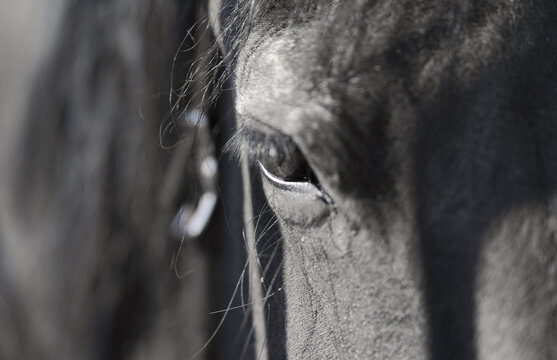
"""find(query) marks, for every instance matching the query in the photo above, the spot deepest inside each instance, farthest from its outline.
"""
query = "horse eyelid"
(301, 187)
(255, 143)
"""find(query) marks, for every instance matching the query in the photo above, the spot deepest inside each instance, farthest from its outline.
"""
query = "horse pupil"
(287, 164)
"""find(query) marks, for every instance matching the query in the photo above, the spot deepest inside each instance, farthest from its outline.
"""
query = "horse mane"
(91, 193)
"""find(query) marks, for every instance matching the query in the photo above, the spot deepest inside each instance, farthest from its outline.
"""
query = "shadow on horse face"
(427, 227)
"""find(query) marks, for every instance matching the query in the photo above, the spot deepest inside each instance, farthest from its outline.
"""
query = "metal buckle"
(191, 221)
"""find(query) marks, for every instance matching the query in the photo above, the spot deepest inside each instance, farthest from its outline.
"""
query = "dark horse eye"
(286, 162)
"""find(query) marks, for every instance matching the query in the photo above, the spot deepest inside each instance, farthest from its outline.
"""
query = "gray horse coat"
(408, 150)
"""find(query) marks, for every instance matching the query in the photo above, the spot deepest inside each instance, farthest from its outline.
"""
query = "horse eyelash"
(257, 145)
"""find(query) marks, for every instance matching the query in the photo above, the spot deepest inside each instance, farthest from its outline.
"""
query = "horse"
(399, 161)
(397, 170)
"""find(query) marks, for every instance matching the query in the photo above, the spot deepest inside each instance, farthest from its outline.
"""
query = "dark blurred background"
(94, 167)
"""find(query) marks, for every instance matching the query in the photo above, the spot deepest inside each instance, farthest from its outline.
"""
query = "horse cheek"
(517, 294)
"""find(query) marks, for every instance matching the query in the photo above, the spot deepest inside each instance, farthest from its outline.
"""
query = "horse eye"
(286, 163)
